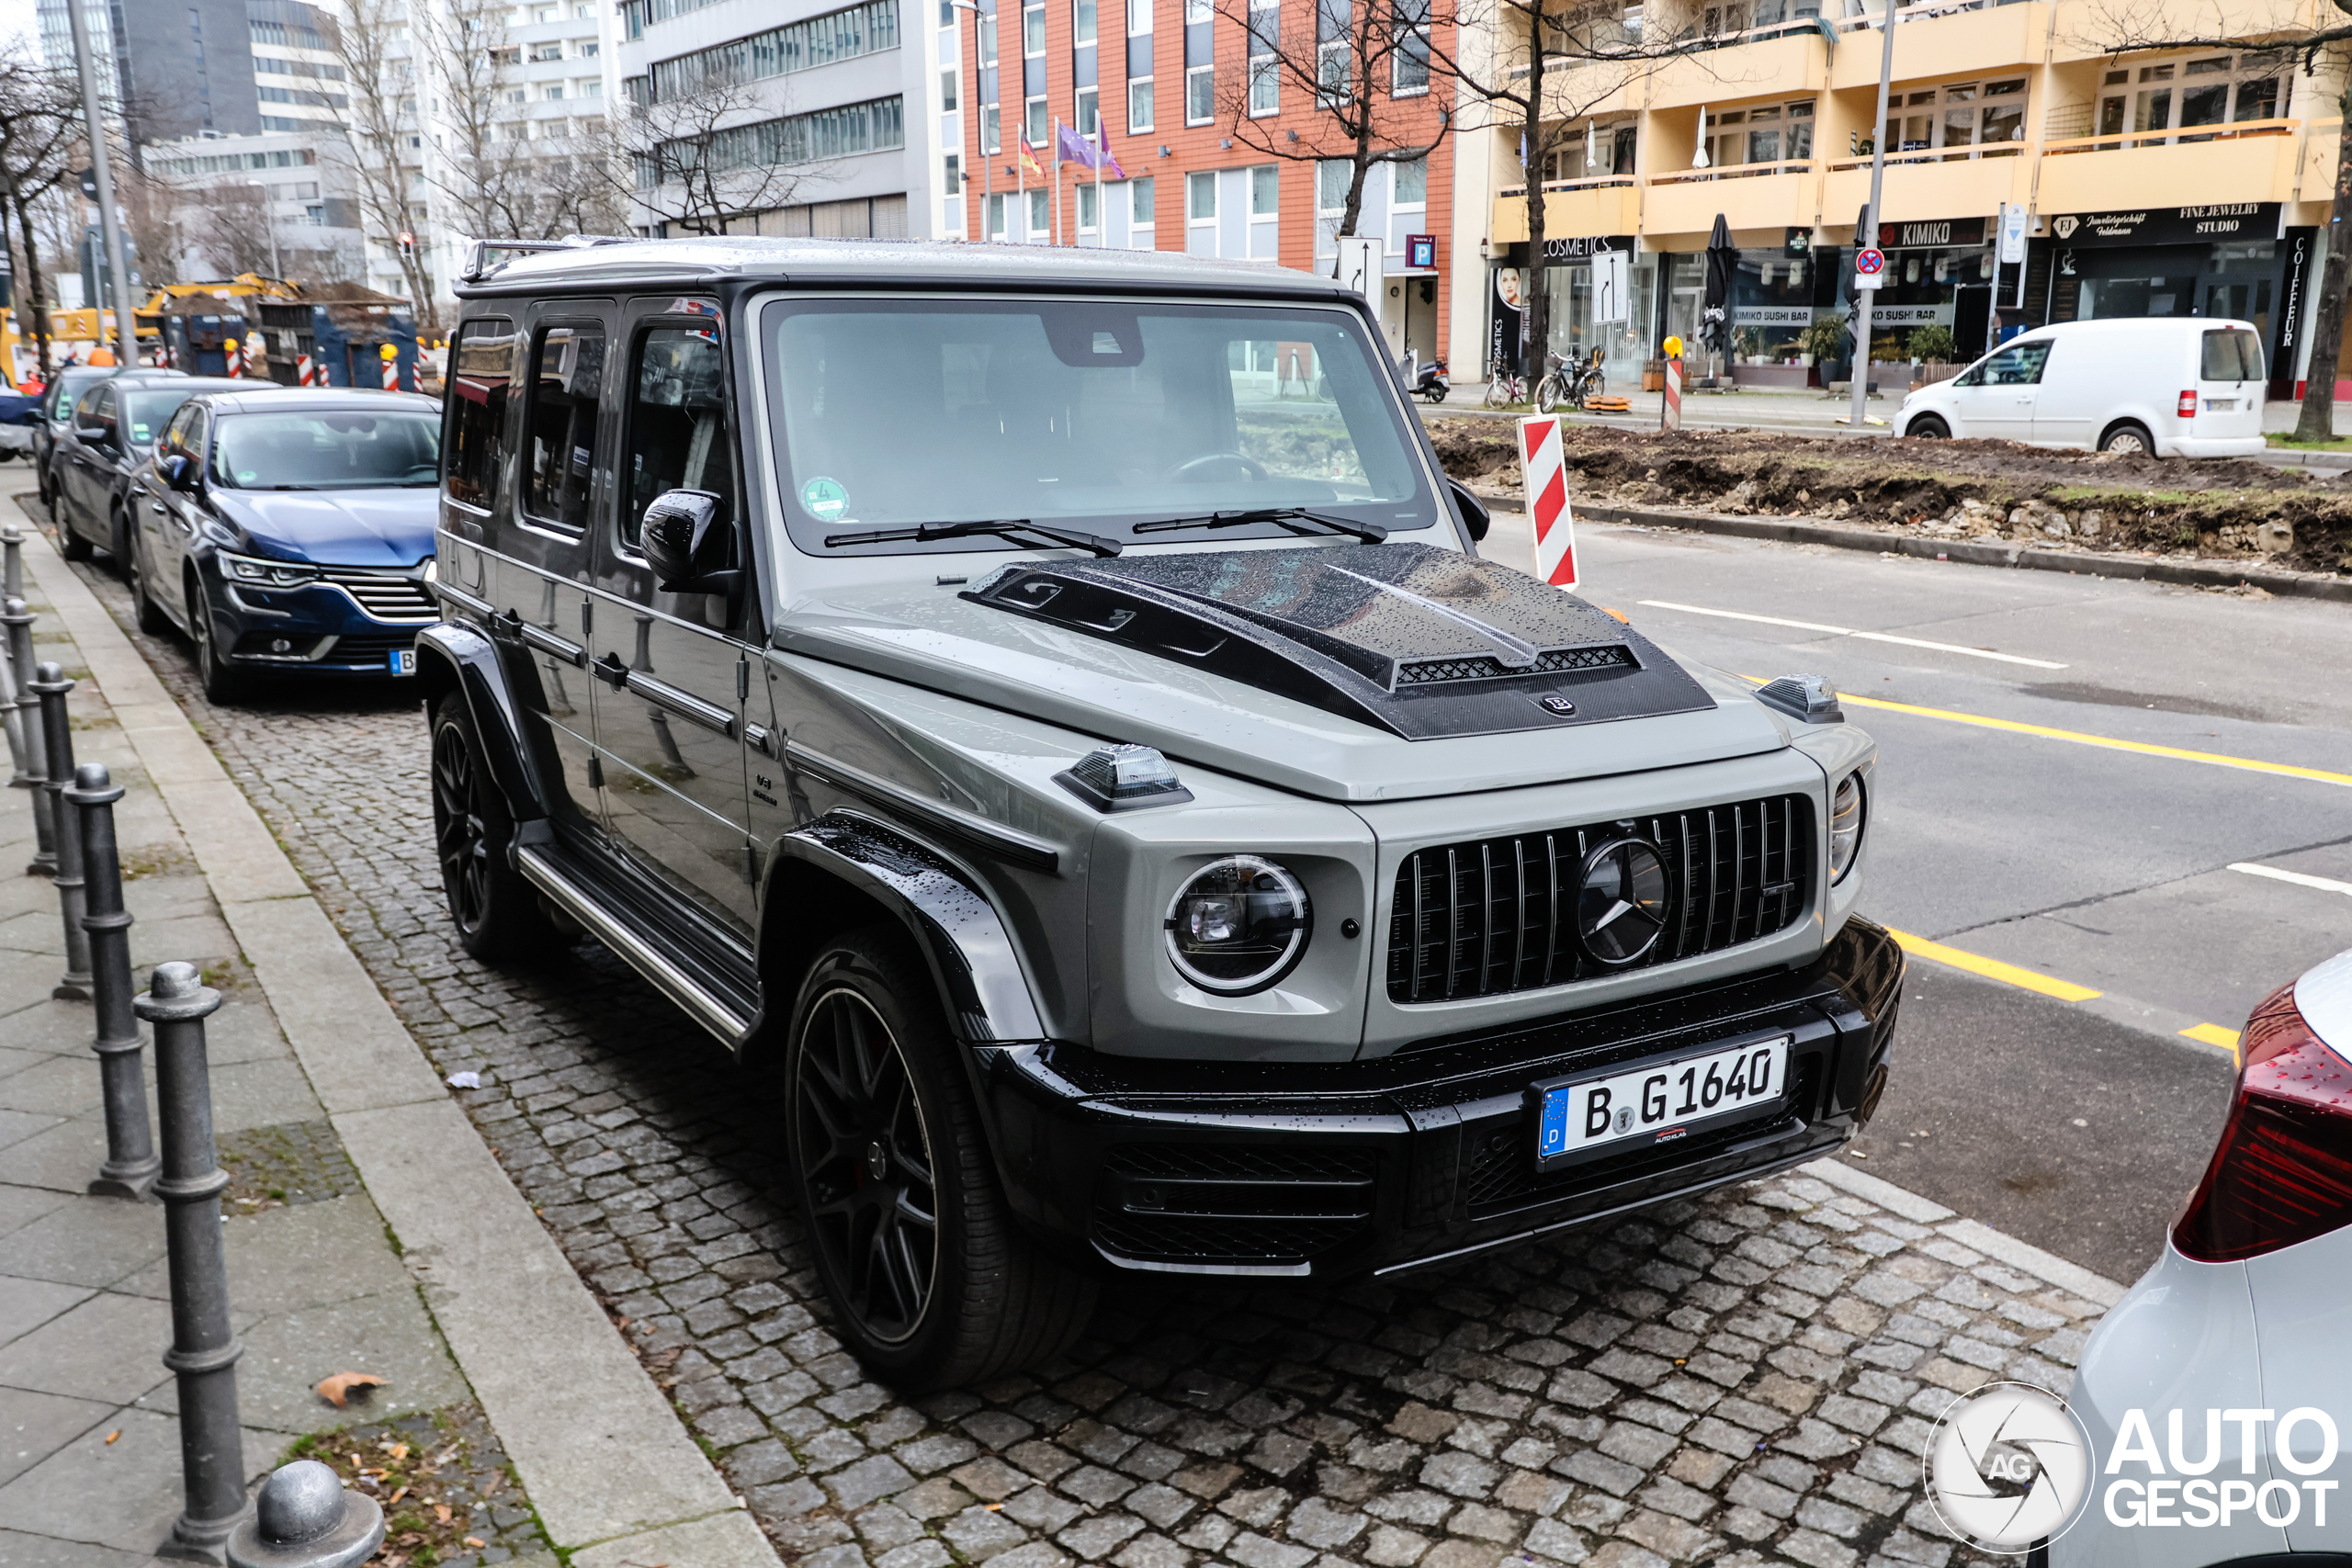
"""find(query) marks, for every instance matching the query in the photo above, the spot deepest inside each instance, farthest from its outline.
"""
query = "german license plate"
(402, 660)
(1659, 1104)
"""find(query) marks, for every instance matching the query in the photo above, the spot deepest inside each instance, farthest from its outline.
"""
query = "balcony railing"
(1597, 182)
(1939, 154)
(1734, 172)
(2177, 135)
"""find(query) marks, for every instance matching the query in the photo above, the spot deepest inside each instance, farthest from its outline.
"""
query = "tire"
(1596, 386)
(1928, 426)
(881, 1122)
(223, 683)
(2130, 439)
(1496, 396)
(118, 543)
(1432, 396)
(1549, 395)
(152, 619)
(70, 543)
(496, 913)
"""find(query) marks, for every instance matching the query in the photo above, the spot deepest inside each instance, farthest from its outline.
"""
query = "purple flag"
(1072, 148)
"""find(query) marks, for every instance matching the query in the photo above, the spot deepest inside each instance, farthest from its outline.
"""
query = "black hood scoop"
(1422, 642)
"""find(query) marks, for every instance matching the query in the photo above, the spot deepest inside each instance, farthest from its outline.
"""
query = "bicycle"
(1503, 388)
(1571, 384)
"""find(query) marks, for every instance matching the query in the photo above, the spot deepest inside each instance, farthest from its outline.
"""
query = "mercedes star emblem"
(1622, 905)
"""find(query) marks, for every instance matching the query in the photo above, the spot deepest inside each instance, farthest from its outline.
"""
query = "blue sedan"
(292, 536)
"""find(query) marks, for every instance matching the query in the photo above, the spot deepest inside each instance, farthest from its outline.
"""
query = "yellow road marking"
(2145, 749)
(2213, 1034)
(1993, 968)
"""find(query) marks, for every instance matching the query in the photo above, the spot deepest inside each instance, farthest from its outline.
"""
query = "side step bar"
(641, 956)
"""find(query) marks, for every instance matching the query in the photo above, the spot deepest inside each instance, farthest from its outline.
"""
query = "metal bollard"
(12, 562)
(18, 623)
(204, 1352)
(57, 768)
(131, 1166)
(305, 1520)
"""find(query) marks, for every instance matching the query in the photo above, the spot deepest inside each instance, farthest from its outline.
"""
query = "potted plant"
(1934, 348)
(1824, 340)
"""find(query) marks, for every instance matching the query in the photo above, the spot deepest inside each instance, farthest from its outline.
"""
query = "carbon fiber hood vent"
(1421, 642)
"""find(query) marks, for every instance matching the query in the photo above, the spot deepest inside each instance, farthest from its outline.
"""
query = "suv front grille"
(384, 596)
(1493, 916)
(1222, 1203)
(369, 648)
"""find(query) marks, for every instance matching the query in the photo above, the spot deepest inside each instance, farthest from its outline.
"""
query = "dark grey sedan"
(113, 431)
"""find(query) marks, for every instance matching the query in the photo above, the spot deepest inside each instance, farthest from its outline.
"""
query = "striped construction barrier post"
(1544, 470)
(1671, 410)
(391, 367)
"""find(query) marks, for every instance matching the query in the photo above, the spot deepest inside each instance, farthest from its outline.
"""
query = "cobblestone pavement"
(1744, 1380)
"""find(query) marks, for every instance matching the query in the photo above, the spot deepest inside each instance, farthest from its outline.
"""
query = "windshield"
(144, 415)
(1091, 414)
(326, 450)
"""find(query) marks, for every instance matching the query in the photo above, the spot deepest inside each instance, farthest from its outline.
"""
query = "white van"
(2179, 387)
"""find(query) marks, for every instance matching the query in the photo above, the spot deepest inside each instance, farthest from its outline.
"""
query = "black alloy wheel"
(222, 684)
(866, 1162)
(496, 911)
(119, 542)
(933, 1283)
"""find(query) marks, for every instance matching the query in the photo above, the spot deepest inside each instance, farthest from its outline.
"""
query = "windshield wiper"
(1003, 527)
(1370, 532)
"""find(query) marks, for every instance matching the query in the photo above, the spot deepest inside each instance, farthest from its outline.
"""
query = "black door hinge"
(742, 680)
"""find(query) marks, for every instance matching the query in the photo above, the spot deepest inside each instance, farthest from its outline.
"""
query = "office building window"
(1140, 105)
(1032, 30)
(1412, 56)
(949, 81)
(1089, 209)
(1081, 23)
(1139, 17)
(992, 130)
(1200, 95)
(1041, 215)
(1412, 183)
(1034, 126)
(953, 182)
(1332, 177)
(1265, 191)
(996, 217)
(1200, 200)
(1089, 113)
(1139, 202)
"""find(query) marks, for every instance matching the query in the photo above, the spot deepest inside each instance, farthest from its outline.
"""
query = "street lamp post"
(1864, 297)
(269, 216)
(979, 126)
(102, 175)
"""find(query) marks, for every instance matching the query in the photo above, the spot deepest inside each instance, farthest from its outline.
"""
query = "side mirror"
(689, 546)
(94, 434)
(178, 470)
(1473, 510)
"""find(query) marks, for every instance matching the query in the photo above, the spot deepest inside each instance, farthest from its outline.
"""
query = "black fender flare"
(948, 916)
(452, 657)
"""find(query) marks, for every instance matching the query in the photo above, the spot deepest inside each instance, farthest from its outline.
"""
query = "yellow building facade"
(2152, 180)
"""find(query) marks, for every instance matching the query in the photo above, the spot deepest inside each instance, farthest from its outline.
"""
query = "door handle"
(686, 705)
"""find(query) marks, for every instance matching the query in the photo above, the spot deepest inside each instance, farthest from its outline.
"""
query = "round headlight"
(1238, 925)
(1846, 812)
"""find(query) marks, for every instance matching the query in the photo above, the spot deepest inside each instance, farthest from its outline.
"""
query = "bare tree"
(370, 40)
(2129, 27)
(1589, 54)
(1368, 68)
(154, 216)
(501, 173)
(697, 159)
(40, 139)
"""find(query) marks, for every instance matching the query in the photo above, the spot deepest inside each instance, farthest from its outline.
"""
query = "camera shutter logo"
(2008, 1466)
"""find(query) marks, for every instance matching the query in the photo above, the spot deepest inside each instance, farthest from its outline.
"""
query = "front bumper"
(1421, 1158)
(319, 628)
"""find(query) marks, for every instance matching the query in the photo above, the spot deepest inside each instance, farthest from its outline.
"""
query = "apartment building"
(1154, 82)
(2164, 182)
(831, 115)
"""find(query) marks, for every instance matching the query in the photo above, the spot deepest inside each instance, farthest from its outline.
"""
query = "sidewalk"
(369, 1229)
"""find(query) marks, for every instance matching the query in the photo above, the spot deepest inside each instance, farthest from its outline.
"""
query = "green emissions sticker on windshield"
(824, 498)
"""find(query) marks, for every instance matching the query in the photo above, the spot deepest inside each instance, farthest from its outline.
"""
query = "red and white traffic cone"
(391, 374)
(304, 375)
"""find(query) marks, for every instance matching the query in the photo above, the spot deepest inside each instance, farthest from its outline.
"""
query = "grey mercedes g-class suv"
(1048, 705)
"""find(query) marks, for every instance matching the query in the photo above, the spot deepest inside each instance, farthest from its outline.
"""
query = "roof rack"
(491, 254)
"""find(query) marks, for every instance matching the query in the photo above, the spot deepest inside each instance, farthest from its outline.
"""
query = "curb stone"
(600, 1451)
(1971, 552)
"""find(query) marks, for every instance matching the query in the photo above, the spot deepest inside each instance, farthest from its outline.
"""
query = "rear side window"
(560, 446)
(481, 367)
(2019, 364)
(2232, 354)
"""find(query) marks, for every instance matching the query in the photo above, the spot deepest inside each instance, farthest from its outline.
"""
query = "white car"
(2216, 1394)
(2176, 386)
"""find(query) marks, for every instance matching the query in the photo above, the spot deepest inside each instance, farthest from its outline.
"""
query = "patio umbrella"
(1723, 261)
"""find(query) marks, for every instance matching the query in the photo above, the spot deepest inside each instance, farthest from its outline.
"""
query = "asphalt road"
(2078, 1124)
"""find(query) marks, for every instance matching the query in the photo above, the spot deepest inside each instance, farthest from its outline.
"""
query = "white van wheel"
(2130, 440)
(1928, 426)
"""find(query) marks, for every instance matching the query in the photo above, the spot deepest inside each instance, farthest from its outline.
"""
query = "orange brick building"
(1173, 84)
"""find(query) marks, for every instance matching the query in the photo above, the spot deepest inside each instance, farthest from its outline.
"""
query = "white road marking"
(2325, 885)
(1848, 631)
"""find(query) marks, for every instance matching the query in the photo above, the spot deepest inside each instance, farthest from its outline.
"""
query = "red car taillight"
(2188, 403)
(2283, 1172)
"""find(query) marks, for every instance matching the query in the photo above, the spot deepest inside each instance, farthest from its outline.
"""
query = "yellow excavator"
(86, 332)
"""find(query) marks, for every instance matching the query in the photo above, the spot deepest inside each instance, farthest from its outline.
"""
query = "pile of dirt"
(2224, 510)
